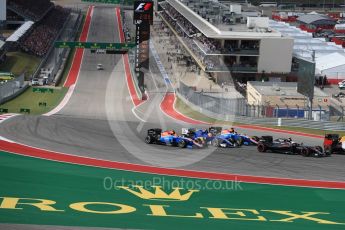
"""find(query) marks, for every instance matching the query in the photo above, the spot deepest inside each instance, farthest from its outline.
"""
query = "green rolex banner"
(42, 192)
(94, 45)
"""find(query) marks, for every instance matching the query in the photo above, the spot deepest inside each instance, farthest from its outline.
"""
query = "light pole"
(324, 2)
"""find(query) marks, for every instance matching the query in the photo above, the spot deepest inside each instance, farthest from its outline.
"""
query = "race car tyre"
(305, 152)
(262, 148)
(329, 150)
(182, 144)
(239, 141)
(148, 140)
(215, 142)
(319, 148)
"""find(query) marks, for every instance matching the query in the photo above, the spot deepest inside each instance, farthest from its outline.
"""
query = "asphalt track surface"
(99, 122)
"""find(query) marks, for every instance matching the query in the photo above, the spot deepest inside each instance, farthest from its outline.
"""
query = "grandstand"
(33, 10)
(36, 24)
(43, 22)
(40, 38)
(224, 39)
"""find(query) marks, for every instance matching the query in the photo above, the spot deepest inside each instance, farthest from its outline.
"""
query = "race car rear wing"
(186, 131)
(268, 139)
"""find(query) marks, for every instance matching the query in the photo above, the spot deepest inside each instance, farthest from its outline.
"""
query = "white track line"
(7, 116)
(5, 139)
(136, 115)
(63, 103)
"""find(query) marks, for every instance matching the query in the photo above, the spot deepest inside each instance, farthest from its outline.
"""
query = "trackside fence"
(238, 110)
(213, 104)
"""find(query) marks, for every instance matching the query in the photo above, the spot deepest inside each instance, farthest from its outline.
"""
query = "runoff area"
(43, 192)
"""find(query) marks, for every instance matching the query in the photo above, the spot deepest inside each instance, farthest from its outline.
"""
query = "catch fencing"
(213, 104)
(238, 106)
(54, 57)
(238, 110)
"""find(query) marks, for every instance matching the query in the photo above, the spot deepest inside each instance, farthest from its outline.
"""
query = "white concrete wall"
(275, 55)
(258, 22)
(253, 96)
(338, 69)
(335, 74)
(237, 9)
(2, 10)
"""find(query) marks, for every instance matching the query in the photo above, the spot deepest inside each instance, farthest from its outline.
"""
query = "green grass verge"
(186, 110)
(30, 100)
(189, 112)
(19, 62)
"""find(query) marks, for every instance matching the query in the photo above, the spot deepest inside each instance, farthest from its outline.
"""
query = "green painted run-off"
(25, 177)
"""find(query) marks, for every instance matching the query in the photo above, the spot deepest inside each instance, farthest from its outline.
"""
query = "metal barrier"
(238, 106)
(238, 110)
(59, 54)
(45, 58)
(63, 57)
(11, 87)
(265, 121)
(302, 123)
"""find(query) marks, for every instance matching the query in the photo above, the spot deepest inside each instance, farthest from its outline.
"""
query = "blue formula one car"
(189, 138)
(193, 138)
(227, 139)
(247, 140)
(199, 137)
(156, 136)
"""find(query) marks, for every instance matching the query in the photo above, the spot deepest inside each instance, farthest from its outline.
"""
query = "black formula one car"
(287, 146)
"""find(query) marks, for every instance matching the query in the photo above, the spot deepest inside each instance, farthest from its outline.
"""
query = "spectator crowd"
(203, 46)
(125, 27)
(39, 39)
(32, 9)
(191, 36)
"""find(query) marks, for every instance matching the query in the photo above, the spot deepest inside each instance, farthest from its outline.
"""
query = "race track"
(99, 121)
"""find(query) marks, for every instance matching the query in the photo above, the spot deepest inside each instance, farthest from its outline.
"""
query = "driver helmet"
(226, 131)
(342, 139)
(171, 132)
